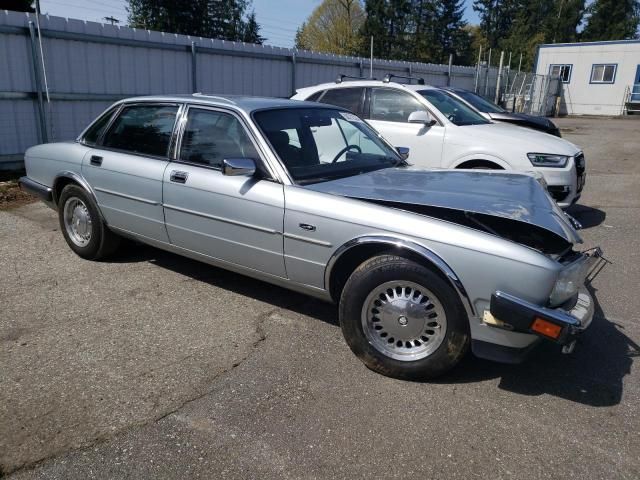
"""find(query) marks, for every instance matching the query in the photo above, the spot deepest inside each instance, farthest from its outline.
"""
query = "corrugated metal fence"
(90, 65)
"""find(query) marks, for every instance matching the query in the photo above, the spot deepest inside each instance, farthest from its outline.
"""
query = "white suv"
(443, 132)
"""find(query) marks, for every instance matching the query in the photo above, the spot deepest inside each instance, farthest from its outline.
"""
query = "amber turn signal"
(546, 328)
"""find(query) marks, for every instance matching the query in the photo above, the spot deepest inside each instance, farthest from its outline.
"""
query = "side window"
(94, 132)
(210, 136)
(315, 96)
(603, 73)
(349, 98)
(392, 105)
(143, 129)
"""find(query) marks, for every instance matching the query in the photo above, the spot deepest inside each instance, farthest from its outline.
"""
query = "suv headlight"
(548, 160)
(569, 282)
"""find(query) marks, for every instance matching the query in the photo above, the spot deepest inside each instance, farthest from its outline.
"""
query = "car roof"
(238, 102)
(366, 83)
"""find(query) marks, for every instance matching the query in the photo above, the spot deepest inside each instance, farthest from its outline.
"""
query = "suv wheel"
(402, 320)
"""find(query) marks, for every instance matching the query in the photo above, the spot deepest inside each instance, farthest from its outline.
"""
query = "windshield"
(318, 144)
(479, 103)
(458, 113)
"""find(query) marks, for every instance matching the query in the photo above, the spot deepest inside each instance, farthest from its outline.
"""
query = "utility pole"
(112, 19)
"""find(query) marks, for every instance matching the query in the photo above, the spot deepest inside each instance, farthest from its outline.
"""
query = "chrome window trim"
(403, 244)
(221, 109)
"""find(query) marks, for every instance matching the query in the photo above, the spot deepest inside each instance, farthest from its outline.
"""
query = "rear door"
(126, 168)
(389, 111)
(236, 219)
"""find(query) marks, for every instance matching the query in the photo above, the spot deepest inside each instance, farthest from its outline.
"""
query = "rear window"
(349, 98)
(143, 129)
(315, 96)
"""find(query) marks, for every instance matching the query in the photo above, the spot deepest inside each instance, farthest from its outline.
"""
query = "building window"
(603, 73)
(562, 71)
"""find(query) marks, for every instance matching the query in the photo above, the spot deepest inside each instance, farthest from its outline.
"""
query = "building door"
(635, 88)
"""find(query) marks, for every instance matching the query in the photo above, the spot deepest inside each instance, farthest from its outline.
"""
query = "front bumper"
(566, 185)
(518, 315)
(562, 325)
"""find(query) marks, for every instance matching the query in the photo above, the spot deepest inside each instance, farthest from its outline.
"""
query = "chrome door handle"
(178, 177)
(95, 160)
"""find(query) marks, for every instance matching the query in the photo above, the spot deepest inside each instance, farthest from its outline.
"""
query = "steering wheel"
(345, 149)
(452, 116)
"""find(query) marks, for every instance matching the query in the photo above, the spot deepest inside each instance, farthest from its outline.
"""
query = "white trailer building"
(598, 78)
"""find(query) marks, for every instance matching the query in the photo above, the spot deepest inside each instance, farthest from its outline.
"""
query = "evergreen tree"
(251, 32)
(392, 26)
(612, 20)
(222, 19)
(450, 34)
(17, 5)
(496, 18)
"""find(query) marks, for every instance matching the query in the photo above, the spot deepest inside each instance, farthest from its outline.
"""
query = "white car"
(444, 132)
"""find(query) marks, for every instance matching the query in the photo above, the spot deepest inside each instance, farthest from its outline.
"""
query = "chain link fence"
(521, 92)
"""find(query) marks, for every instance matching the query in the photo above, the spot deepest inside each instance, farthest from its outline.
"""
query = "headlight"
(548, 160)
(569, 281)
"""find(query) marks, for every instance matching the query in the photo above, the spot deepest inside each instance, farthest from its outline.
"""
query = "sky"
(279, 18)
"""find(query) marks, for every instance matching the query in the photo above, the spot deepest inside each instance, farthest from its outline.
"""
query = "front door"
(236, 219)
(389, 113)
(127, 169)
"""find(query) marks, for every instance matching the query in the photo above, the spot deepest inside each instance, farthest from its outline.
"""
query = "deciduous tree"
(332, 27)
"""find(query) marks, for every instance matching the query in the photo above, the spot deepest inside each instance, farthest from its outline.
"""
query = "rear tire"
(82, 226)
(402, 319)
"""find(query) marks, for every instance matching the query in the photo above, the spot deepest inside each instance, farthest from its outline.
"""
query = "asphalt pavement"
(150, 365)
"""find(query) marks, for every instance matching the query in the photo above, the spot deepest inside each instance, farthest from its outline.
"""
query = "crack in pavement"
(99, 440)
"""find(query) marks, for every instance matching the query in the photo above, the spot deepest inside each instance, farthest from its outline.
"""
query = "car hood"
(513, 196)
(523, 117)
(525, 139)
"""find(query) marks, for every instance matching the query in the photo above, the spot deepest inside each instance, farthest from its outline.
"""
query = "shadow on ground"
(587, 216)
(593, 375)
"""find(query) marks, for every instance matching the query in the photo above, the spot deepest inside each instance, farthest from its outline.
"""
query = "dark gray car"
(493, 112)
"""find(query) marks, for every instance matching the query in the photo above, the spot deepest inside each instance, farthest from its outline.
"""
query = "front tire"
(82, 227)
(402, 319)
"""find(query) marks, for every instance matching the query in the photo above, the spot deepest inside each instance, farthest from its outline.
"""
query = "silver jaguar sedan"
(422, 264)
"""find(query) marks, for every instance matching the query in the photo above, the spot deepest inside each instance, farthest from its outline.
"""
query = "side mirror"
(421, 116)
(403, 152)
(238, 166)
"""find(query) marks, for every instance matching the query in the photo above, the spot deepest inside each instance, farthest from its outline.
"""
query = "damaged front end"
(510, 205)
(564, 319)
